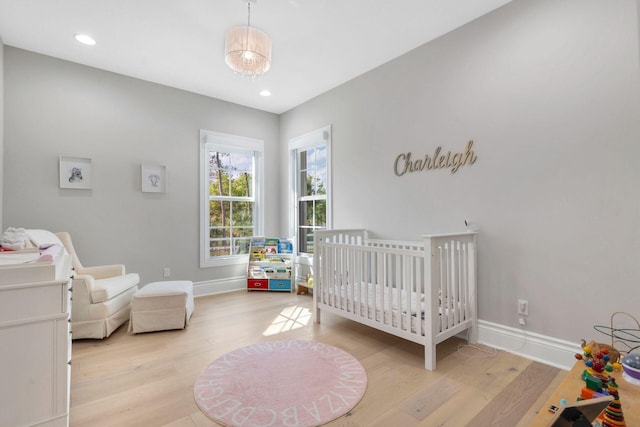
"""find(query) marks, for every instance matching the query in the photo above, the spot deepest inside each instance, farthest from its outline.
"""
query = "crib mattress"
(377, 296)
(382, 305)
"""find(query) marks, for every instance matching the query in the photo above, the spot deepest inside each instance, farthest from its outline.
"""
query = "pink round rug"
(281, 383)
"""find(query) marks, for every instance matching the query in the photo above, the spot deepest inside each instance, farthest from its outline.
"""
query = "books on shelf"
(270, 249)
(285, 246)
(270, 258)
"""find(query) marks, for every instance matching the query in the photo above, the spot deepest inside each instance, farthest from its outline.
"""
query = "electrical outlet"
(166, 272)
(523, 307)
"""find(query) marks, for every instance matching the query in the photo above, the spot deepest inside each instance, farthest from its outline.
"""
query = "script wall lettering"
(406, 164)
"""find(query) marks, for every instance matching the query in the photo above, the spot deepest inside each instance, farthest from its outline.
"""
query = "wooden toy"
(599, 385)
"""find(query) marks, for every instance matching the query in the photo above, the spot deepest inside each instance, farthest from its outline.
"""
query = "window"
(311, 175)
(231, 182)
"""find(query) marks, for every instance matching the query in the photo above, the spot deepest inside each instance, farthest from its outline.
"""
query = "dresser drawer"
(28, 301)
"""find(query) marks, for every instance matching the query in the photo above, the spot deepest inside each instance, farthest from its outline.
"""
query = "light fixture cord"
(246, 40)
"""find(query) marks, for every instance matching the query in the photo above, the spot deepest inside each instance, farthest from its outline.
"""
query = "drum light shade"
(247, 50)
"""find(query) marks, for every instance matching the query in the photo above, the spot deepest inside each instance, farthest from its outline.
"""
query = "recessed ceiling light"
(265, 92)
(85, 39)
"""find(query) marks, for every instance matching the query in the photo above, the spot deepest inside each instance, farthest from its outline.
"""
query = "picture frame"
(75, 172)
(153, 178)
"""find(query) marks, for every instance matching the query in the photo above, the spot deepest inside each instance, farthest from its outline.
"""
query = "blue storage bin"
(280, 285)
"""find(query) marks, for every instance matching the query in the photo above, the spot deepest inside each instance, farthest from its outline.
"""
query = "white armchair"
(101, 296)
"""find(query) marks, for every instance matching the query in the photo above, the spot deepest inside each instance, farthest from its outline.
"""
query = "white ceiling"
(317, 44)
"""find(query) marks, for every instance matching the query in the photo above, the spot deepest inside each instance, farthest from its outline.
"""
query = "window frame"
(316, 138)
(217, 141)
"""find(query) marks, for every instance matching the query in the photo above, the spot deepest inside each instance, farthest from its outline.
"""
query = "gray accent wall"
(1, 126)
(55, 108)
(549, 91)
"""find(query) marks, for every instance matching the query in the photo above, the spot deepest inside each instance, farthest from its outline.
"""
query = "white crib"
(424, 291)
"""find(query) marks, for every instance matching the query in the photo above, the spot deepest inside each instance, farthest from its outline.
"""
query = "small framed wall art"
(75, 172)
(154, 178)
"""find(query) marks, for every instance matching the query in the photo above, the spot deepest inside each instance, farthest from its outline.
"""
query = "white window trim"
(314, 138)
(236, 143)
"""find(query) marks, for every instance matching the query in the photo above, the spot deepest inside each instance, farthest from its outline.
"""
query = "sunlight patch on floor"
(290, 318)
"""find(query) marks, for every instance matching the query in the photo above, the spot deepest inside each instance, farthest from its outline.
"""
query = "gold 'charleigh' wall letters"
(404, 163)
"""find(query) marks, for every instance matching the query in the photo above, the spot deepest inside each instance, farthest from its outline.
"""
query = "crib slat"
(353, 279)
(335, 282)
(422, 299)
(357, 279)
(460, 283)
(330, 275)
(443, 287)
(407, 283)
(398, 287)
(465, 285)
(366, 285)
(447, 284)
(344, 279)
(455, 281)
(378, 284)
(392, 286)
(386, 288)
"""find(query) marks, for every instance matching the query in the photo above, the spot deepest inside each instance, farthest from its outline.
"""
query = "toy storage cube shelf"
(270, 264)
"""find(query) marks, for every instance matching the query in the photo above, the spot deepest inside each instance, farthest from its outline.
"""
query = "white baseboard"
(220, 286)
(541, 348)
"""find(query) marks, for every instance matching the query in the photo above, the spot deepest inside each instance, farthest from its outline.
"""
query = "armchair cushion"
(102, 271)
(104, 289)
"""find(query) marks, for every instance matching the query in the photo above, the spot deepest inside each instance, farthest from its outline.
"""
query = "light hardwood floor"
(147, 379)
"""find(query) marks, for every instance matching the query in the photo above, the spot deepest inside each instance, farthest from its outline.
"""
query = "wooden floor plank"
(147, 379)
(513, 402)
(426, 401)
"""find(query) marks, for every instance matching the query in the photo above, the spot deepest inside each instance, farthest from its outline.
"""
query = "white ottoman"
(160, 306)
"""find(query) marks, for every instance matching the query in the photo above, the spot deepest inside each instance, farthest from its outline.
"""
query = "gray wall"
(549, 90)
(1, 125)
(54, 108)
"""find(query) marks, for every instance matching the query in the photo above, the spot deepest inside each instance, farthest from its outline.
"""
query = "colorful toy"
(597, 347)
(612, 415)
(599, 383)
(599, 360)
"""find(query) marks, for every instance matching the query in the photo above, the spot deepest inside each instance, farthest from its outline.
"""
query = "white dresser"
(35, 342)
